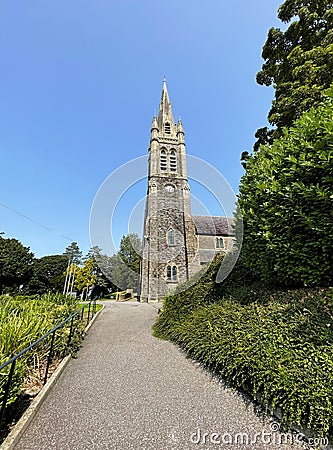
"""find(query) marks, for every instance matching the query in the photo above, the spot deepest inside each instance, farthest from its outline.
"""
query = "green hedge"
(278, 347)
(286, 200)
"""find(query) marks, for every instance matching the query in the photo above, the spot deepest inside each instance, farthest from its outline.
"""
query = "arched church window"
(174, 273)
(163, 160)
(173, 161)
(219, 243)
(171, 237)
(167, 128)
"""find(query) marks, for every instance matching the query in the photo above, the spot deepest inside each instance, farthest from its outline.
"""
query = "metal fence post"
(7, 388)
(49, 357)
(70, 332)
(12, 360)
(89, 312)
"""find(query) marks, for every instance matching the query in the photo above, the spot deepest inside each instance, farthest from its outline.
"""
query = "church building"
(175, 243)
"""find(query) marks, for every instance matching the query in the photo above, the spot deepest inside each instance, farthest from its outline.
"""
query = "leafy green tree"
(298, 62)
(85, 277)
(48, 274)
(129, 252)
(73, 253)
(15, 265)
(119, 271)
(126, 263)
(286, 198)
(103, 284)
(123, 268)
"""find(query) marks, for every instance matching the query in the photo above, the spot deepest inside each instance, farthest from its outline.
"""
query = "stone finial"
(180, 128)
(154, 124)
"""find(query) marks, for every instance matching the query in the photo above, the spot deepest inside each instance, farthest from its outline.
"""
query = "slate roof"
(207, 255)
(214, 225)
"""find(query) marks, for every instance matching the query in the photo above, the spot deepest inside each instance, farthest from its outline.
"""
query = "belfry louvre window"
(167, 128)
(163, 160)
(173, 161)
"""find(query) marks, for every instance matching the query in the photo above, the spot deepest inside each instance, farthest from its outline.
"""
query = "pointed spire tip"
(165, 109)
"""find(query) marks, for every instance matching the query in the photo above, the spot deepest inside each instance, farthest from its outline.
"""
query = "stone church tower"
(170, 245)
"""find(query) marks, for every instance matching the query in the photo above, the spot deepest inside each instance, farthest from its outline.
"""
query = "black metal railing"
(12, 361)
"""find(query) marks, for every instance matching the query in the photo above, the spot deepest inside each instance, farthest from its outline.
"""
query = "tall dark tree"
(15, 265)
(129, 251)
(298, 62)
(73, 253)
(48, 274)
(103, 283)
(123, 268)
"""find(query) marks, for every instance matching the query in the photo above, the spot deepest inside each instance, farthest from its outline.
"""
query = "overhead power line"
(35, 222)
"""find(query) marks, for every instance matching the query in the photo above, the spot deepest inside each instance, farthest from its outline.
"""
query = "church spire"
(165, 120)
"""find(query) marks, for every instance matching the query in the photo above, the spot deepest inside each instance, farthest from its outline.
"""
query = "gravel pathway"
(129, 390)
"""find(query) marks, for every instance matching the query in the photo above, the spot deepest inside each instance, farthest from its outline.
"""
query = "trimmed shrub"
(278, 347)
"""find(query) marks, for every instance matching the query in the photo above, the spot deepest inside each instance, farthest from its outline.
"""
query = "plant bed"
(23, 321)
(32, 385)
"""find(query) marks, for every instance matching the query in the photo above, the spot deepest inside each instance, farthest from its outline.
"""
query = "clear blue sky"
(80, 81)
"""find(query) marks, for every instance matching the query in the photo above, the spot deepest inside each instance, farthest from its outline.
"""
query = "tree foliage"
(15, 265)
(103, 285)
(127, 262)
(286, 198)
(122, 269)
(48, 274)
(73, 253)
(298, 61)
(129, 251)
(85, 277)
